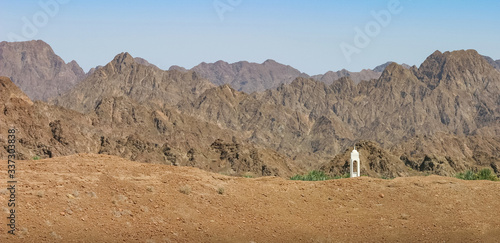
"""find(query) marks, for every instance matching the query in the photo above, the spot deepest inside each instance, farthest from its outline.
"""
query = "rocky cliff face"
(37, 70)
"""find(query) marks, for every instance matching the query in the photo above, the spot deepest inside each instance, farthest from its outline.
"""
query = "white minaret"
(355, 159)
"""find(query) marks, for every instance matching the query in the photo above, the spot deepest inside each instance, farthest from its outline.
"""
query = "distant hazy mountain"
(178, 68)
(248, 77)
(330, 76)
(495, 64)
(382, 67)
(143, 61)
(251, 77)
(365, 74)
(37, 70)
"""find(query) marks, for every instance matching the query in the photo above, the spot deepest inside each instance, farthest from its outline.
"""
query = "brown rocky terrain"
(452, 93)
(121, 126)
(100, 198)
(37, 70)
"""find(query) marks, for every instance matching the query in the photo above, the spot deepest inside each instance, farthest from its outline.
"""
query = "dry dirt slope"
(91, 198)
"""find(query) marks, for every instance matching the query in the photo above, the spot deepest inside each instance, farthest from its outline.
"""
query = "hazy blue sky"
(307, 35)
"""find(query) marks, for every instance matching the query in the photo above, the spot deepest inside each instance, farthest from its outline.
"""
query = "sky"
(313, 36)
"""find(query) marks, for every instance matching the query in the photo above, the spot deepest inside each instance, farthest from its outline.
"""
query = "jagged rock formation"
(37, 70)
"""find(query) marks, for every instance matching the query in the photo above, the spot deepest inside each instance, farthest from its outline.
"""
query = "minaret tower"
(355, 161)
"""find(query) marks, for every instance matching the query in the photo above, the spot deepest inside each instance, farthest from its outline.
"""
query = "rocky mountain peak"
(270, 62)
(462, 68)
(37, 70)
(123, 60)
(382, 67)
(395, 71)
(123, 76)
(178, 68)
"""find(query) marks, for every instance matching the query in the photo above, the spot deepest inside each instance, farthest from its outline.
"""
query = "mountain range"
(51, 76)
(441, 118)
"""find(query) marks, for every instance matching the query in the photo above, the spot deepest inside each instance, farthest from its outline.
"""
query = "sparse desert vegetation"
(186, 189)
(317, 176)
(484, 174)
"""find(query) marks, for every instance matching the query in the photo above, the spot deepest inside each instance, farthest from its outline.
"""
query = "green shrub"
(484, 174)
(316, 176)
(36, 157)
(346, 175)
(185, 189)
(220, 190)
(312, 176)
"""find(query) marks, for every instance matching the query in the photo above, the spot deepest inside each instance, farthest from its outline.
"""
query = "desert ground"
(100, 198)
